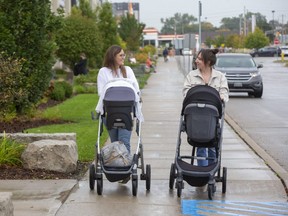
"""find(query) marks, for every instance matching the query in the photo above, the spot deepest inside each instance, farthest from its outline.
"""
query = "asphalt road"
(265, 120)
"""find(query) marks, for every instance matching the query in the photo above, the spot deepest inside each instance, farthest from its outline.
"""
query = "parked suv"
(241, 72)
(266, 51)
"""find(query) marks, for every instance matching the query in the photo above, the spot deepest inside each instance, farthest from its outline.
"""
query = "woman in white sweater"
(113, 68)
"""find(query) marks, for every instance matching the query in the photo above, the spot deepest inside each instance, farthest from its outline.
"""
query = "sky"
(151, 11)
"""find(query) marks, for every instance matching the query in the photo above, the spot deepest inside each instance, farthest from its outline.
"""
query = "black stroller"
(202, 119)
(119, 111)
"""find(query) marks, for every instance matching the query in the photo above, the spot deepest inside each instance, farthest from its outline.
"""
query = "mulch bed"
(18, 172)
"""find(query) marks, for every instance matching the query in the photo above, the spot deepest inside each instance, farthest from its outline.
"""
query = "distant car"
(266, 51)
(186, 51)
(241, 72)
(284, 49)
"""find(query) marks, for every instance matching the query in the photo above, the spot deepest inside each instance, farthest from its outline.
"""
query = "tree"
(79, 35)
(179, 24)
(131, 32)
(219, 40)
(108, 26)
(256, 39)
(27, 32)
(235, 41)
(86, 9)
(230, 23)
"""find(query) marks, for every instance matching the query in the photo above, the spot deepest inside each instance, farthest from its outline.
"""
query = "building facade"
(121, 9)
(68, 4)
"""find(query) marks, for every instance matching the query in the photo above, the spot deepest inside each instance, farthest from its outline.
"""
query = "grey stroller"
(202, 119)
(119, 112)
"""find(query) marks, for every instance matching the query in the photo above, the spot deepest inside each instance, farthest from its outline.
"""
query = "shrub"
(61, 91)
(141, 57)
(12, 90)
(27, 32)
(83, 89)
(68, 89)
(79, 34)
(58, 94)
(10, 151)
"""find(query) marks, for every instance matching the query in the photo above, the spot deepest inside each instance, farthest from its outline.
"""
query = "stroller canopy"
(118, 90)
(203, 94)
(119, 93)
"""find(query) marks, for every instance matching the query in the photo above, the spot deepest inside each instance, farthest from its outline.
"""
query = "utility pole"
(240, 25)
(273, 26)
(245, 30)
(200, 14)
(282, 30)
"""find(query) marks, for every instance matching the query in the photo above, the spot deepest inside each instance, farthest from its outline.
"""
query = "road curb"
(281, 173)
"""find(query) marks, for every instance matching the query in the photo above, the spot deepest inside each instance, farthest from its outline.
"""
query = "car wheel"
(258, 93)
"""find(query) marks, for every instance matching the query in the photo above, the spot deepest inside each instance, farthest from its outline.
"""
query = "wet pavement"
(252, 187)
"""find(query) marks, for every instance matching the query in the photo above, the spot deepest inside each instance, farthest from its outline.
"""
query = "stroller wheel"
(172, 176)
(211, 190)
(92, 176)
(179, 185)
(148, 176)
(134, 186)
(224, 179)
(100, 185)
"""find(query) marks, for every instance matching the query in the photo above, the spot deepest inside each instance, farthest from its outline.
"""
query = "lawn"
(77, 110)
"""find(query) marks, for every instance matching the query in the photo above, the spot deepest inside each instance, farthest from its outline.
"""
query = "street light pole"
(200, 14)
(273, 27)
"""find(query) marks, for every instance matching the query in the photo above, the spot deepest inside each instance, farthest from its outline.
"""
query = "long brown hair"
(109, 59)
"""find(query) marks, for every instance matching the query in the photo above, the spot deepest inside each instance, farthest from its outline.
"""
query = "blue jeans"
(120, 134)
(202, 152)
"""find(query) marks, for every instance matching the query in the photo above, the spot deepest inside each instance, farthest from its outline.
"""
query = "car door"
(262, 52)
(272, 51)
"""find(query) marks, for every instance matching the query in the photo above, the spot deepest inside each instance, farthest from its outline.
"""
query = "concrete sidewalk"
(250, 181)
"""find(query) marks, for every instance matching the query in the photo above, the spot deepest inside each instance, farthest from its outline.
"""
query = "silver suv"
(241, 72)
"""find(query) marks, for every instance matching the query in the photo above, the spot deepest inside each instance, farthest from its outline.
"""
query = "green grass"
(76, 110)
(285, 61)
(10, 151)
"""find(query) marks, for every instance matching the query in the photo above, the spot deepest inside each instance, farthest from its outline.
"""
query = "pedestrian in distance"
(149, 65)
(165, 54)
(114, 68)
(206, 75)
(81, 66)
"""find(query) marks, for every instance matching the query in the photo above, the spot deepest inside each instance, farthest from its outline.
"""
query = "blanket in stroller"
(115, 154)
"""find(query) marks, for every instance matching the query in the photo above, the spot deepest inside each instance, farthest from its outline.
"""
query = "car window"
(232, 61)
(272, 48)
